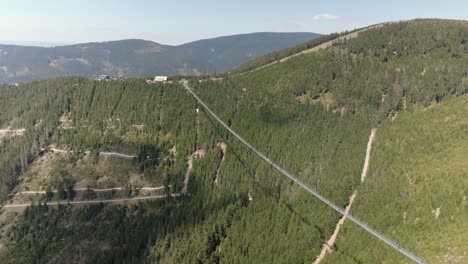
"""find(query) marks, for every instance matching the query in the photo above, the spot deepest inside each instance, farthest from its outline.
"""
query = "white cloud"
(326, 16)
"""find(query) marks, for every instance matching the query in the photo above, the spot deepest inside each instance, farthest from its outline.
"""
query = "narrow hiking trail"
(223, 148)
(365, 168)
(328, 245)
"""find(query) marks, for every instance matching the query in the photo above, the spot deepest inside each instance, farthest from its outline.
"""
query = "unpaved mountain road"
(106, 154)
(109, 201)
(115, 154)
(91, 189)
(11, 132)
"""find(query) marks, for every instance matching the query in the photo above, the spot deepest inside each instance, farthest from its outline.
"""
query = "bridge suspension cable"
(337, 208)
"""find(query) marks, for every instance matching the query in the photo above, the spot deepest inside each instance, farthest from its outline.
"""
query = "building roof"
(160, 78)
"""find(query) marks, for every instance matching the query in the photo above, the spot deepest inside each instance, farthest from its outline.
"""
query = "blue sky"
(177, 21)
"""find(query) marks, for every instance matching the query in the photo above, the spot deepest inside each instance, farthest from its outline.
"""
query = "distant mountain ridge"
(135, 57)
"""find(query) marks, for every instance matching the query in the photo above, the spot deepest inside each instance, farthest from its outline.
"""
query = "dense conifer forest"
(311, 114)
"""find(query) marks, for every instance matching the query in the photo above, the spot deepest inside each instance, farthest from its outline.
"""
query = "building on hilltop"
(160, 79)
(104, 77)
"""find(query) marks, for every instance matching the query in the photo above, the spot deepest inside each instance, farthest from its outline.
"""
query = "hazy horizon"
(48, 44)
(178, 22)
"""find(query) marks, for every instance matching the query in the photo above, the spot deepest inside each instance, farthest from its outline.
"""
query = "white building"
(160, 79)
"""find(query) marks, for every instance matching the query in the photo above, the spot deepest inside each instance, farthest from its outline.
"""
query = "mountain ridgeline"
(140, 58)
(312, 114)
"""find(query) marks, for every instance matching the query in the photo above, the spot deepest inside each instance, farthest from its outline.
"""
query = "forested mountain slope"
(132, 58)
(312, 114)
(418, 184)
